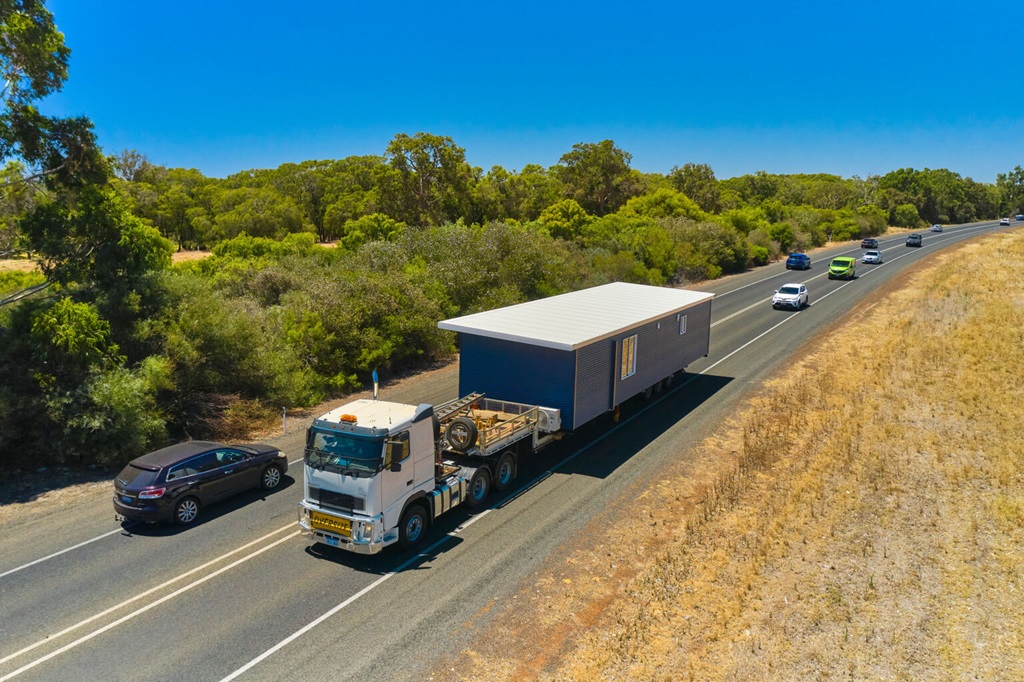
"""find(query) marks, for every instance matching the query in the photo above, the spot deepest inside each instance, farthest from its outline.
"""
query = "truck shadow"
(602, 446)
(440, 539)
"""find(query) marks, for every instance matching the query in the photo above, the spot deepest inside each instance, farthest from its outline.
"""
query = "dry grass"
(875, 533)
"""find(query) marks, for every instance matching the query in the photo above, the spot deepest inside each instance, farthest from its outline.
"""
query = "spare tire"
(461, 433)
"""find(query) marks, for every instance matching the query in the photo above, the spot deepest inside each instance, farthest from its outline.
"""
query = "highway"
(241, 595)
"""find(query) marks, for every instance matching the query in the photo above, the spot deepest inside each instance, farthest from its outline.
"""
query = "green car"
(842, 267)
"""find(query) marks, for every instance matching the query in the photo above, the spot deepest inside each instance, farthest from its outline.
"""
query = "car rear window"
(138, 476)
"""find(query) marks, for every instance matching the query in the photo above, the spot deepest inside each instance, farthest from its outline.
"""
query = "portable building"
(583, 352)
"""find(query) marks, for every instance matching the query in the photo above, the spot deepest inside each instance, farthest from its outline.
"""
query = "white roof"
(571, 320)
(369, 414)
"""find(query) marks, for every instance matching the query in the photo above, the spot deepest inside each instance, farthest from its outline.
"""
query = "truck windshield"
(345, 453)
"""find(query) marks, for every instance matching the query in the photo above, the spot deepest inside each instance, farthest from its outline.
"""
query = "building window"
(628, 356)
(682, 324)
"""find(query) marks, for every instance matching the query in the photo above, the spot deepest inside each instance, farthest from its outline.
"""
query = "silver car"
(872, 257)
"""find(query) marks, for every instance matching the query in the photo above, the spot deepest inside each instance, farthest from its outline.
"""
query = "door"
(396, 485)
(225, 472)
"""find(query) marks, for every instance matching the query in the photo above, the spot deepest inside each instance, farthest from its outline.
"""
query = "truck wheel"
(412, 528)
(461, 433)
(479, 488)
(505, 472)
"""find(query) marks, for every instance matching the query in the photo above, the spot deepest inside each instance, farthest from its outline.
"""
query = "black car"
(176, 482)
(914, 240)
(869, 243)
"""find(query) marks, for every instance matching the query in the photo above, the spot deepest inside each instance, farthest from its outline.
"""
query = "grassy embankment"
(861, 518)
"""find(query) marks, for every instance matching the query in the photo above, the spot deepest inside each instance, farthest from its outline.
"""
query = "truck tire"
(504, 471)
(412, 528)
(461, 433)
(479, 488)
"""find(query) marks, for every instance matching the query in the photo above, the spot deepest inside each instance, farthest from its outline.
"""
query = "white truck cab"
(363, 463)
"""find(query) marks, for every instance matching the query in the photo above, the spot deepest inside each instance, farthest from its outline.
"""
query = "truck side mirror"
(396, 466)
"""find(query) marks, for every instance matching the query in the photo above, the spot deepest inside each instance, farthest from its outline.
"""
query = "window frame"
(627, 365)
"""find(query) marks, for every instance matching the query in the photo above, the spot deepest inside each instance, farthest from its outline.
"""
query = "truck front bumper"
(359, 545)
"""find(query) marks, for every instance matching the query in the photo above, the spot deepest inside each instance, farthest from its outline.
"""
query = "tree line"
(107, 349)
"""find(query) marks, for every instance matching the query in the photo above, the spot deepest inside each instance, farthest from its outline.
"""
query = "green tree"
(664, 203)
(96, 242)
(565, 220)
(907, 216)
(597, 176)
(697, 181)
(1011, 189)
(34, 64)
(427, 179)
(368, 228)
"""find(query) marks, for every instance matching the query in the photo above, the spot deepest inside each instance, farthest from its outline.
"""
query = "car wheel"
(271, 477)
(186, 510)
(412, 527)
(504, 472)
(479, 488)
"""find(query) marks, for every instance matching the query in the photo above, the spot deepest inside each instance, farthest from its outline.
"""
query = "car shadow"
(208, 513)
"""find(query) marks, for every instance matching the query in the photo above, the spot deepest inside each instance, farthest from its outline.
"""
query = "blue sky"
(852, 88)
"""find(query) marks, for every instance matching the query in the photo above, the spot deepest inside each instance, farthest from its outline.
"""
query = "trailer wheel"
(505, 471)
(479, 488)
(412, 528)
(461, 433)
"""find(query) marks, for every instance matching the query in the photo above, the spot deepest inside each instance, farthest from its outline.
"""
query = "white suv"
(790, 296)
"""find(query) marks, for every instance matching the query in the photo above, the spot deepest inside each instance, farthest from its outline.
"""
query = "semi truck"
(378, 473)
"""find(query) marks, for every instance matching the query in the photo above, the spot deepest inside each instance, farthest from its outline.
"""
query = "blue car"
(798, 261)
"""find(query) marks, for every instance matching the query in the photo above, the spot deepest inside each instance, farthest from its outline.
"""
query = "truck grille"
(329, 498)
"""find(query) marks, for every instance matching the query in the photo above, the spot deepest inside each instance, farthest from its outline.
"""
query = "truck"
(379, 473)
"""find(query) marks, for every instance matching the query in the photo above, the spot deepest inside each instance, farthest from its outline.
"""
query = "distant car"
(869, 243)
(790, 296)
(936, 228)
(798, 261)
(915, 240)
(872, 257)
(1019, 216)
(842, 267)
(1004, 221)
(176, 482)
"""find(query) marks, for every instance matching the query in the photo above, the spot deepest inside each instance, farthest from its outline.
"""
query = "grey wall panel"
(662, 350)
(595, 370)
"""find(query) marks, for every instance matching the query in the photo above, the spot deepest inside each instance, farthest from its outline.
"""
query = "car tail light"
(152, 494)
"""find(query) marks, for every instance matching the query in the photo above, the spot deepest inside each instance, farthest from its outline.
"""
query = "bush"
(906, 215)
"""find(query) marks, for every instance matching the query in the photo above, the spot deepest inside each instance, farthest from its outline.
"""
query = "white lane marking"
(376, 583)
(50, 638)
(55, 554)
(139, 612)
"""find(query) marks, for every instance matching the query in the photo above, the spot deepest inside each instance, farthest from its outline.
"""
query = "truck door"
(397, 478)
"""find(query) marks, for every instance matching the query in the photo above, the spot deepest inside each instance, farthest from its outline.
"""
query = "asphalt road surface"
(242, 596)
